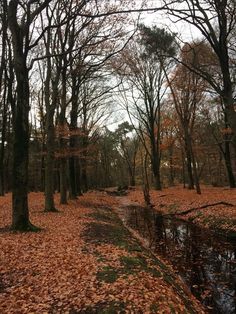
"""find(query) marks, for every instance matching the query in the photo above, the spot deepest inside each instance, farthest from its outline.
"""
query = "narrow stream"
(206, 262)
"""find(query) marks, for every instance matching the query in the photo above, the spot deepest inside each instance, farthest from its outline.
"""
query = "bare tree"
(146, 64)
(21, 17)
(216, 21)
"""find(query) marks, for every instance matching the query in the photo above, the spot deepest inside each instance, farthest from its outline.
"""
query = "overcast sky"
(184, 30)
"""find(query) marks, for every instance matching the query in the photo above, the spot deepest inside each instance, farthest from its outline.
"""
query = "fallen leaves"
(56, 270)
(177, 200)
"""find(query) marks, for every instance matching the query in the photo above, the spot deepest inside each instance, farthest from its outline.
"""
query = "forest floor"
(215, 208)
(83, 261)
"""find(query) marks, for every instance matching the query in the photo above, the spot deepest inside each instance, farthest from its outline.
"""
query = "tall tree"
(5, 90)
(128, 145)
(188, 91)
(20, 26)
(146, 63)
(215, 19)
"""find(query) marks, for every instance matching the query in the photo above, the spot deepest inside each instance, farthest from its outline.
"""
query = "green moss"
(172, 309)
(105, 216)
(106, 233)
(154, 272)
(154, 308)
(107, 274)
(131, 262)
(134, 264)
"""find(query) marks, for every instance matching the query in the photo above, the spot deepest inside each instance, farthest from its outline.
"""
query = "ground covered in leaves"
(83, 261)
(215, 208)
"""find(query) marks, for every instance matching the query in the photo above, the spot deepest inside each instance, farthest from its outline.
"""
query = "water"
(206, 262)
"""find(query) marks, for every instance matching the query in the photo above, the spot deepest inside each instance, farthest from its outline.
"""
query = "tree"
(188, 93)
(5, 90)
(146, 63)
(20, 26)
(129, 147)
(216, 21)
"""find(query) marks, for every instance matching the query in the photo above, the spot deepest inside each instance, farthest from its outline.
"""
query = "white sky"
(185, 32)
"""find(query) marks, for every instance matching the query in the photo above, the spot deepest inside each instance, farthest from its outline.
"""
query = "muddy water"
(206, 262)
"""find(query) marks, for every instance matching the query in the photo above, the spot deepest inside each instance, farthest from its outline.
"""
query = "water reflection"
(207, 263)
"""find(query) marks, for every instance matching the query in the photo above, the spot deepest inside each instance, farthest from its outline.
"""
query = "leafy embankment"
(215, 208)
(83, 261)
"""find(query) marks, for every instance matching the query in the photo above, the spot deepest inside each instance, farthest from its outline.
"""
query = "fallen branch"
(202, 207)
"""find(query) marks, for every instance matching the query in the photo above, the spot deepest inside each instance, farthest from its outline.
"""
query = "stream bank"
(206, 262)
(214, 209)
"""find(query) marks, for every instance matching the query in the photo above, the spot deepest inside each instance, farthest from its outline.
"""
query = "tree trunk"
(227, 92)
(20, 214)
(63, 181)
(51, 101)
(155, 160)
(3, 76)
(187, 147)
(171, 170)
(72, 178)
(156, 173)
(85, 140)
(20, 111)
(74, 169)
(2, 149)
(131, 176)
(78, 177)
(228, 165)
(195, 173)
(84, 174)
(49, 162)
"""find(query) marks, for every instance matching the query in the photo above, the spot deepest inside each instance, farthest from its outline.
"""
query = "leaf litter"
(61, 269)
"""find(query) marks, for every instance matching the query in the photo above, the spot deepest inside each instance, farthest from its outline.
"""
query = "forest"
(117, 156)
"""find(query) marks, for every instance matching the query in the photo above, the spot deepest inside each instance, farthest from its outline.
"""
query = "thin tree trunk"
(3, 139)
(49, 162)
(187, 147)
(63, 139)
(195, 173)
(171, 172)
(63, 181)
(228, 164)
(156, 168)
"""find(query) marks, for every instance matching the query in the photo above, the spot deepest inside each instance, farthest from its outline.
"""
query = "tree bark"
(49, 161)
(187, 147)
(20, 217)
(228, 165)
(20, 111)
